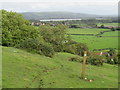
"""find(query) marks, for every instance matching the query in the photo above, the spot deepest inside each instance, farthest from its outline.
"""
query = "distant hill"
(56, 15)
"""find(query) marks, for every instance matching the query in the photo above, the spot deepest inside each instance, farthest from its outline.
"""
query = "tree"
(15, 29)
(102, 26)
(81, 47)
(113, 29)
(54, 35)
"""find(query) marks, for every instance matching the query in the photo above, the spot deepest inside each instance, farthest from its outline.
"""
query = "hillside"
(26, 70)
(56, 15)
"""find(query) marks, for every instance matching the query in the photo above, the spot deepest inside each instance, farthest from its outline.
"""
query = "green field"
(94, 42)
(26, 70)
(85, 30)
(114, 33)
(108, 24)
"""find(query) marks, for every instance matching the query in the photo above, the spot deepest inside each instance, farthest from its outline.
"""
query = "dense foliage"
(96, 60)
(55, 35)
(76, 59)
(93, 60)
(112, 57)
(38, 46)
(75, 48)
(17, 32)
(15, 29)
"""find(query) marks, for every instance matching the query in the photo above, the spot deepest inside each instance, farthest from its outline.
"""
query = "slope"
(26, 70)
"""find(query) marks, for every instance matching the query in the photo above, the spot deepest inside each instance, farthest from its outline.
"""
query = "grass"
(85, 30)
(108, 24)
(94, 42)
(114, 33)
(26, 70)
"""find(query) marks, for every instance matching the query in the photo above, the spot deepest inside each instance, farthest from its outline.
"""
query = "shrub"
(95, 60)
(54, 35)
(70, 48)
(112, 58)
(102, 26)
(112, 52)
(76, 59)
(112, 61)
(109, 60)
(75, 48)
(80, 48)
(47, 50)
(37, 45)
(74, 26)
(112, 29)
(115, 60)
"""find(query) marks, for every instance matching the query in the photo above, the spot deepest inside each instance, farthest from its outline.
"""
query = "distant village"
(64, 21)
(43, 22)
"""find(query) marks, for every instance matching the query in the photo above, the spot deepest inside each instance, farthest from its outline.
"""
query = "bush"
(80, 48)
(112, 58)
(112, 29)
(37, 45)
(76, 59)
(102, 26)
(70, 48)
(74, 26)
(54, 35)
(112, 52)
(109, 60)
(112, 61)
(95, 60)
(75, 48)
(115, 60)
(47, 50)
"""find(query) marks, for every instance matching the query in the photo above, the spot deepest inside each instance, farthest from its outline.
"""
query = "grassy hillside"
(27, 70)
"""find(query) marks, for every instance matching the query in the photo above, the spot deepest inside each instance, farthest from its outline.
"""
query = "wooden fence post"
(83, 65)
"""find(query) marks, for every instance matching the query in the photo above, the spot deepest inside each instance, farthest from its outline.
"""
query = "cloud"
(59, 0)
(81, 6)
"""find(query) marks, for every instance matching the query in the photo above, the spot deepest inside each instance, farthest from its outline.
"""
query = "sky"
(98, 7)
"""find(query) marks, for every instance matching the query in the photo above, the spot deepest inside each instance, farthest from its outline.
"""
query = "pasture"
(114, 33)
(26, 70)
(85, 30)
(108, 24)
(94, 42)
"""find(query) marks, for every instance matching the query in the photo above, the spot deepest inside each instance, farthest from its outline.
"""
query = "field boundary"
(97, 35)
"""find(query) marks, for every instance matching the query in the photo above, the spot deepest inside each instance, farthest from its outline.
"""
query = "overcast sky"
(100, 7)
